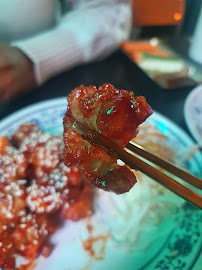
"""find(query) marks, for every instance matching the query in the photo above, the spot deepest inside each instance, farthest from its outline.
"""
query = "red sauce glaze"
(7, 249)
(3, 144)
(90, 246)
(80, 206)
(46, 251)
(29, 266)
(114, 113)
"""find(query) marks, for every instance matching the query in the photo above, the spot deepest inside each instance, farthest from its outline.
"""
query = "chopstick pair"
(137, 163)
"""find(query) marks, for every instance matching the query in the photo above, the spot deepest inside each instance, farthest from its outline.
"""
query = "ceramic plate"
(177, 249)
(193, 113)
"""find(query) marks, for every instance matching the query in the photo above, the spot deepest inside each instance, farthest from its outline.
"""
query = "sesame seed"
(22, 226)
(66, 205)
(9, 246)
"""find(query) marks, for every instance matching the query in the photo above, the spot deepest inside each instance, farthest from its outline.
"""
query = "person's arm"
(92, 30)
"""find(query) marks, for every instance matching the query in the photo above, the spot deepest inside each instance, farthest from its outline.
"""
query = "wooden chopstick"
(186, 176)
(138, 164)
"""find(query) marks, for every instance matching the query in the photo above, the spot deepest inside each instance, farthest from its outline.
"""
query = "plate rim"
(31, 107)
(187, 116)
(187, 139)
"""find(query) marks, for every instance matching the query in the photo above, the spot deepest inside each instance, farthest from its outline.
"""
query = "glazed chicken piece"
(13, 165)
(36, 191)
(115, 114)
(29, 234)
(12, 201)
(7, 258)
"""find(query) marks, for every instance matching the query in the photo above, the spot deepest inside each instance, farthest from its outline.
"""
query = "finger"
(3, 62)
(10, 91)
(6, 77)
(6, 95)
(2, 93)
(7, 92)
(4, 53)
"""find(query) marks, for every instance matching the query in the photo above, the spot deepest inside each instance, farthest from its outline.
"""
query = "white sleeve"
(92, 30)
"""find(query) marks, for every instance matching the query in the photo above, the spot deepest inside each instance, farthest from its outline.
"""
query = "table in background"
(118, 70)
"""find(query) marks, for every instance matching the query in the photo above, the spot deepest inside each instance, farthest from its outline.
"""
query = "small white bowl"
(193, 113)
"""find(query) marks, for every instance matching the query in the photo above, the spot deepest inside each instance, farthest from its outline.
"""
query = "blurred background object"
(195, 51)
(166, 68)
(164, 32)
(159, 12)
(190, 17)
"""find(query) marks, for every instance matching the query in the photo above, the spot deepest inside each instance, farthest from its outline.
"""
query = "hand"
(16, 73)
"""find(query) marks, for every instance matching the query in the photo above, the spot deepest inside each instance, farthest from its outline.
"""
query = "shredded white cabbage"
(136, 218)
